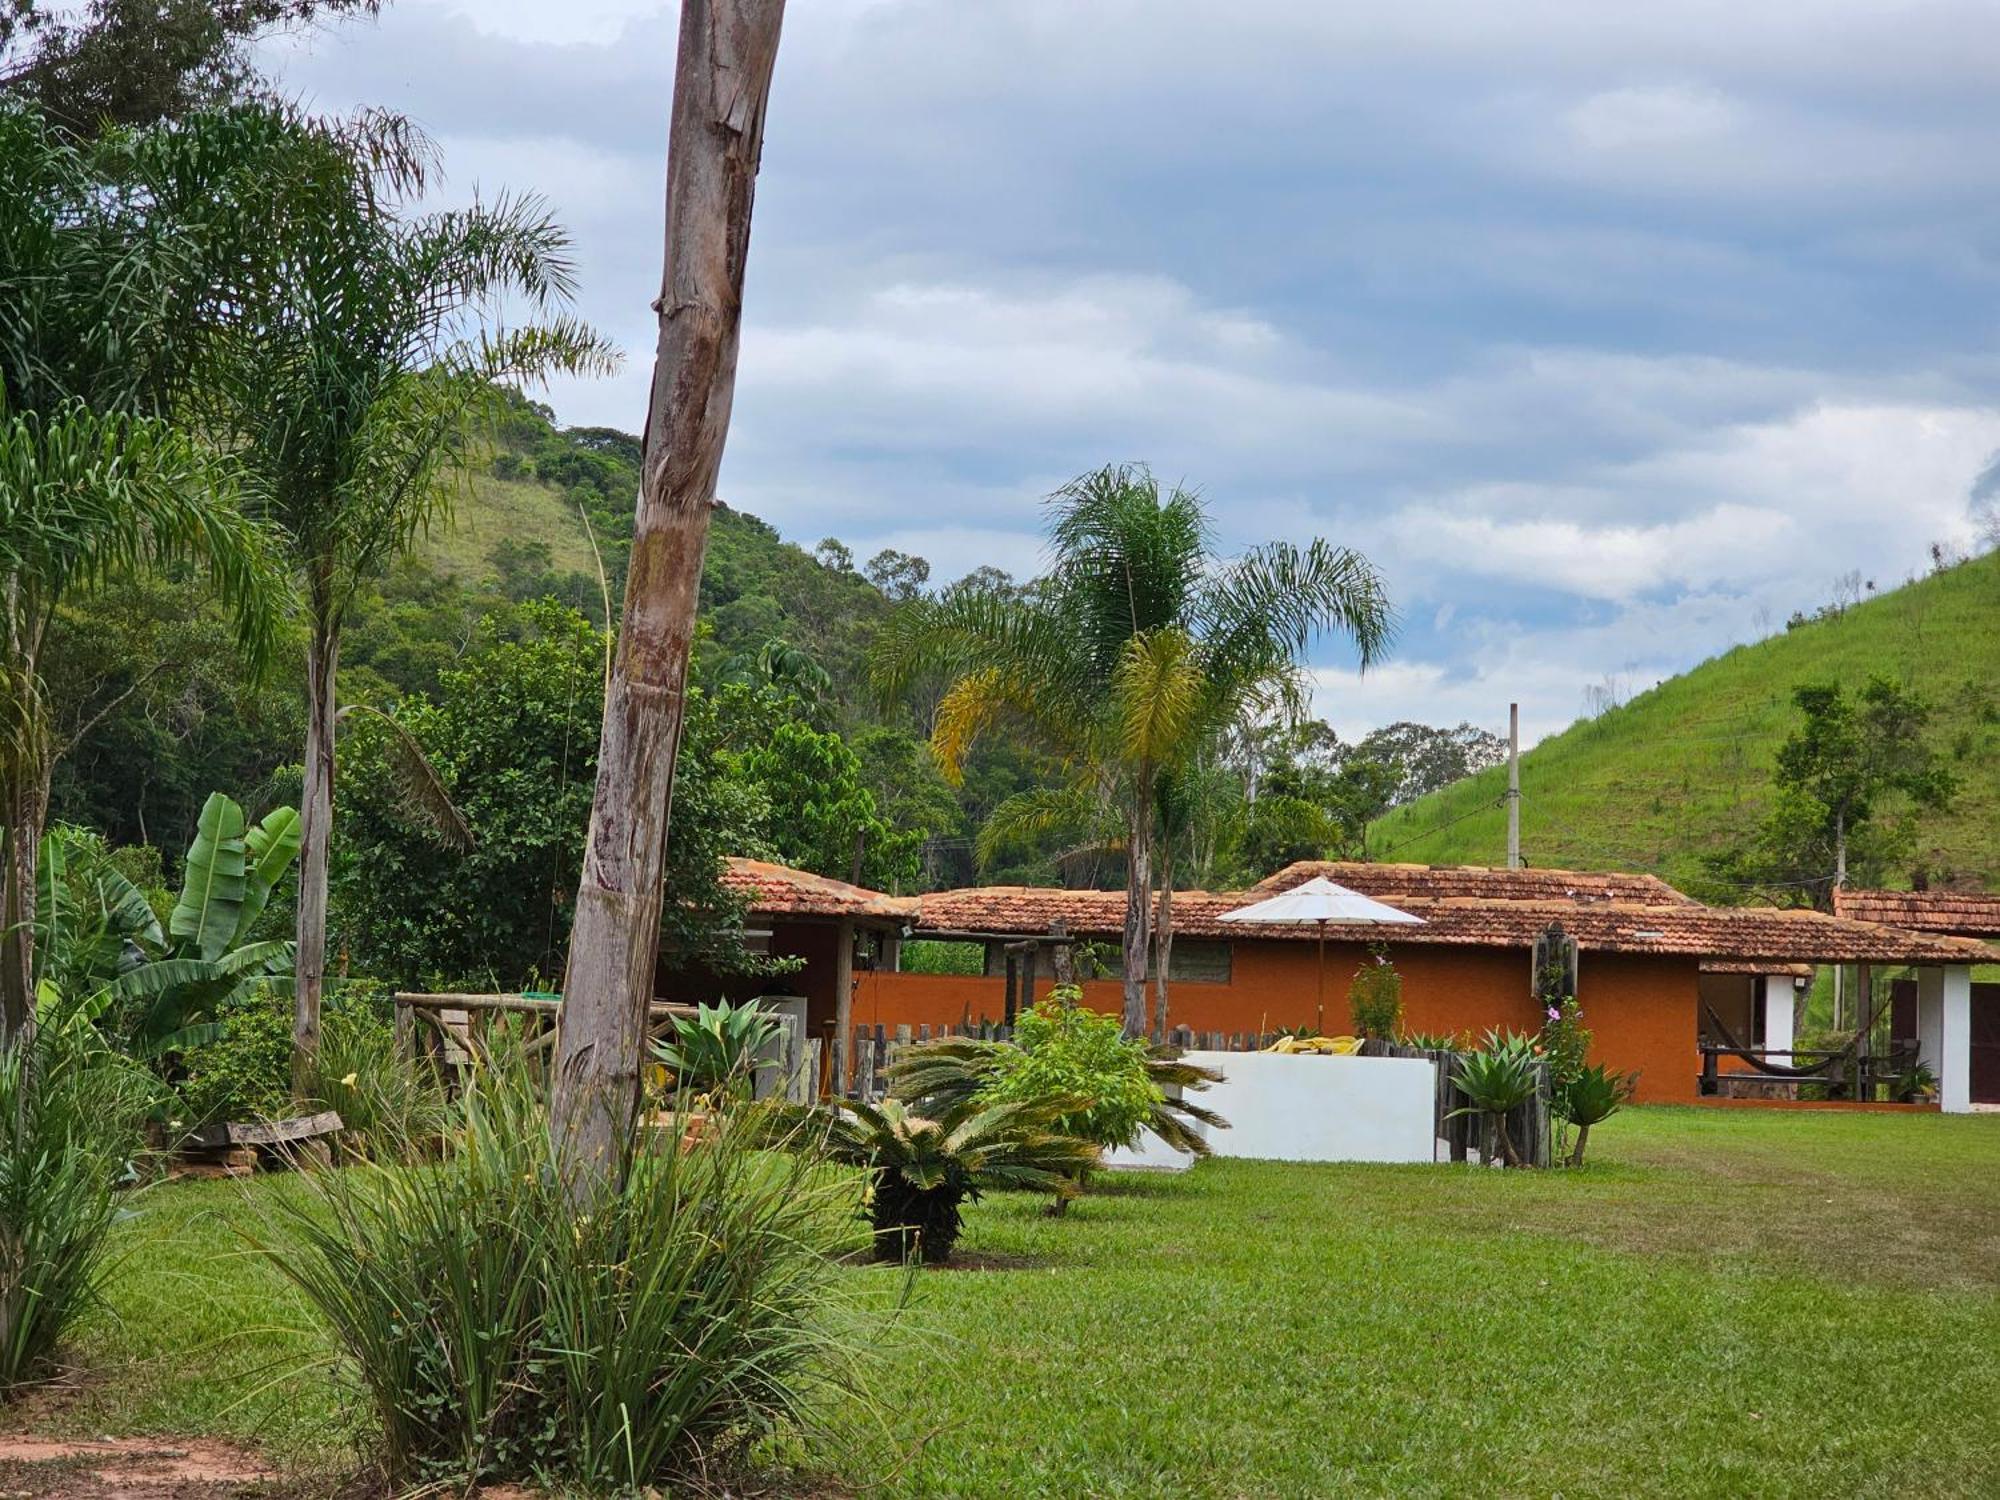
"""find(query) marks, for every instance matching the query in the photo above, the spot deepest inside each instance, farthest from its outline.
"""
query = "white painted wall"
(1286, 1108)
(1944, 1033)
(1777, 1001)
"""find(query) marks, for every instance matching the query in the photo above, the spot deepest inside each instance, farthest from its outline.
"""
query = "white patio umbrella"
(1319, 901)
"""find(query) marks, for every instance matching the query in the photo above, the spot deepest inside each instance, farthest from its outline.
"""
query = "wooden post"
(722, 82)
(1062, 958)
(843, 989)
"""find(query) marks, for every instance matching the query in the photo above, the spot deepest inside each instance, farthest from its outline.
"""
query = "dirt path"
(35, 1468)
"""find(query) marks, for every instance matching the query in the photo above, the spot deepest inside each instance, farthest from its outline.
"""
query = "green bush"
(71, 1125)
(246, 1072)
(1499, 1078)
(929, 956)
(1375, 997)
(923, 1168)
(1066, 1049)
(1591, 1098)
(717, 1047)
(500, 1334)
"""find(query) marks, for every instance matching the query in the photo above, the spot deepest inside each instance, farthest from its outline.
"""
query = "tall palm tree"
(105, 303)
(369, 350)
(1132, 655)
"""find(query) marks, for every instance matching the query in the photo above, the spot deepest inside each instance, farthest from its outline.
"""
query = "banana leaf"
(273, 844)
(211, 902)
(131, 915)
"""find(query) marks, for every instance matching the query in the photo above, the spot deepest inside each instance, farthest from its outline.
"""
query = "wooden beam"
(843, 998)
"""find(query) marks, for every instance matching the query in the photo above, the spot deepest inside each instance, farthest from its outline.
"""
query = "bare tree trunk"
(1138, 914)
(25, 814)
(315, 836)
(721, 84)
(1163, 942)
(1582, 1139)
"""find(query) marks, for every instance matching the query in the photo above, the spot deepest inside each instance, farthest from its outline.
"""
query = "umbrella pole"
(1319, 998)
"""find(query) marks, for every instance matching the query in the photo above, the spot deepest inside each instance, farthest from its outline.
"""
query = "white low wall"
(1288, 1108)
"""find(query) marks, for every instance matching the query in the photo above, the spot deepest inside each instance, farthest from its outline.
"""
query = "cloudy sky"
(1613, 334)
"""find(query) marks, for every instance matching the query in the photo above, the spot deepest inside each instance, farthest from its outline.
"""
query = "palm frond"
(428, 794)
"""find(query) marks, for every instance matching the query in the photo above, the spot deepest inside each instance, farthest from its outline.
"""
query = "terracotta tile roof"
(1756, 966)
(1965, 913)
(780, 891)
(1386, 882)
(1604, 926)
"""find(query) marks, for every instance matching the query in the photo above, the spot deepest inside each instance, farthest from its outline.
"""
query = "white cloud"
(1618, 119)
(1599, 335)
(1614, 562)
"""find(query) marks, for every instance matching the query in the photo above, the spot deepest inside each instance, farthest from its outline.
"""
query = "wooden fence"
(1467, 1136)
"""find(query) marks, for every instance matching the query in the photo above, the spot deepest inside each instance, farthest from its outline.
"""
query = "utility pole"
(1513, 786)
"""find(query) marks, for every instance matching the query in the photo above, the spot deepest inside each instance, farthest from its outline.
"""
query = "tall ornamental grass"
(500, 1334)
(71, 1124)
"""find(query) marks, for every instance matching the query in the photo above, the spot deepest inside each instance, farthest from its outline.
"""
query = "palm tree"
(369, 349)
(1139, 648)
(106, 315)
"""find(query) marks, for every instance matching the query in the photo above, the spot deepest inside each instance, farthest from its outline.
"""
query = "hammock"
(1825, 1068)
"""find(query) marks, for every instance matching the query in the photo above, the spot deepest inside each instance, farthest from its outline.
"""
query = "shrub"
(71, 1124)
(388, 1104)
(923, 1169)
(929, 956)
(1498, 1079)
(498, 1333)
(1375, 997)
(1591, 1098)
(385, 1102)
(717, 1047)
(936, 1076)
(1066, 1050)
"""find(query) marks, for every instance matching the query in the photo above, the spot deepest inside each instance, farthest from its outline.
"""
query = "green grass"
(521, 510)
(1725, 1302)
(1685, 767)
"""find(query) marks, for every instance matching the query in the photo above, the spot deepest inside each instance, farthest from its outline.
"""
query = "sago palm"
(923, 1167)
(1138, 649)
(368, 350)
(951, 1072)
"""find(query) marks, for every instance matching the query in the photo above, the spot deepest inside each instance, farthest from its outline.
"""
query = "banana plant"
(170, 984)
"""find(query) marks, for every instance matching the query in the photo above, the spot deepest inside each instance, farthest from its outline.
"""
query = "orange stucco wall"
(1642, 1009)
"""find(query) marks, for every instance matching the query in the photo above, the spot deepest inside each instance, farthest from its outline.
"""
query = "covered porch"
(1912, 1033)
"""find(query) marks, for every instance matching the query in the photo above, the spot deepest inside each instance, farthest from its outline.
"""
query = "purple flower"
(1554, 1014)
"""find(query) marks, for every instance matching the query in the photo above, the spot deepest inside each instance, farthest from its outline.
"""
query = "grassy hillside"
(523, 511)
(1686, 767)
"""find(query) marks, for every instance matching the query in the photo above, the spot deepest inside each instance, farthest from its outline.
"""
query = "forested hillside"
(1683, 772)
(486, 646)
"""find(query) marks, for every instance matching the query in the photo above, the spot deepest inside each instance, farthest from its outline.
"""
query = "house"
(1647, 956)
(1966, 914)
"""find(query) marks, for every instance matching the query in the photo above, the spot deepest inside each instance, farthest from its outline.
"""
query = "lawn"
(1726, 1302)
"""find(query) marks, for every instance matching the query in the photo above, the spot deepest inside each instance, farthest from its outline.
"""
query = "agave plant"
(1591, 1098)
(1499, 1079)
(948, 1072)
(717, 1047)
(925, 1166)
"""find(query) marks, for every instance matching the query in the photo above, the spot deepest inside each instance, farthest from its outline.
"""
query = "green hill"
(1685, 768)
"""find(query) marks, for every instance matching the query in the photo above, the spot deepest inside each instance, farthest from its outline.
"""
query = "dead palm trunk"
(722, 81)
(315, 833)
